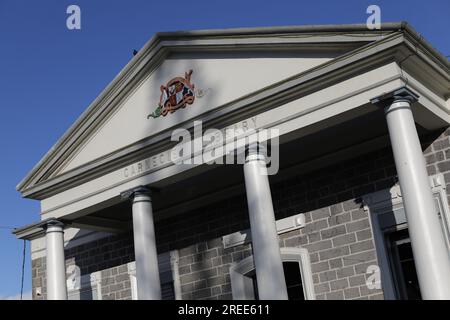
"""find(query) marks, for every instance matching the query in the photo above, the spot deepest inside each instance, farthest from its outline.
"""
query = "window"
(293, 278)
(398, 273)
(168, 273)
(297, 273)
(402, 265)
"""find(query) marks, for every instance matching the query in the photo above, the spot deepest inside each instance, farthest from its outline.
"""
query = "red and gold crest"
(176, 94)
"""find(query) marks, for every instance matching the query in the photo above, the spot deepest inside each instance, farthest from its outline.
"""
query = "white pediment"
(231, 70)
(218, 79)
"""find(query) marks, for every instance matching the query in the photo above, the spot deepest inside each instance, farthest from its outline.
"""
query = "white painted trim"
(283, 225)
(438, 188)
(242, 286)
(131, 266)
(293, 254)
(174, 262)
(375, 204)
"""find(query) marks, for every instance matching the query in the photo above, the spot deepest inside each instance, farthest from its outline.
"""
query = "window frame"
(390, 201)
(168, 271)
(242, 285)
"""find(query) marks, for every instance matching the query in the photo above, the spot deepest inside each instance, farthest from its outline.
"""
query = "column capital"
(397, 95)
(137, 191)
(255, 151)
(53, 224)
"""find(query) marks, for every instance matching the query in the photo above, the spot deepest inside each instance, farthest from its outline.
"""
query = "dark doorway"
(402, 265)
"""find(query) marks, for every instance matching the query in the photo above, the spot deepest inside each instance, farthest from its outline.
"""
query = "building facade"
(349, 199)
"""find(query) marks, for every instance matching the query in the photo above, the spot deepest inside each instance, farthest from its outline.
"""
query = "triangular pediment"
(217, 79)
(214, 68)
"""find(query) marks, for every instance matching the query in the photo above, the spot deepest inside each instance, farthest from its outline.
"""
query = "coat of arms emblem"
(176, 94)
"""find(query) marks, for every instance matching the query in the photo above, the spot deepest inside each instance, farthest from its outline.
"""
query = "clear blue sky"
(49, 75)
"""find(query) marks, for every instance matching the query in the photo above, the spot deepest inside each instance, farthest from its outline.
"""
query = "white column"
(56, 264)
(266, 250)
(147, 272)
(431, 256)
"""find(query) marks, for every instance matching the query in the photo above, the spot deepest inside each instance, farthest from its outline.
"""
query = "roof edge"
(247, 31)
(424, 42)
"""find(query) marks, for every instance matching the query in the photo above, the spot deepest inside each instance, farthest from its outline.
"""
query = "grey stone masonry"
(38, 278)
(338, 232)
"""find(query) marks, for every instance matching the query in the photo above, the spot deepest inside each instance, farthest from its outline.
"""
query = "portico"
(103, 178)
